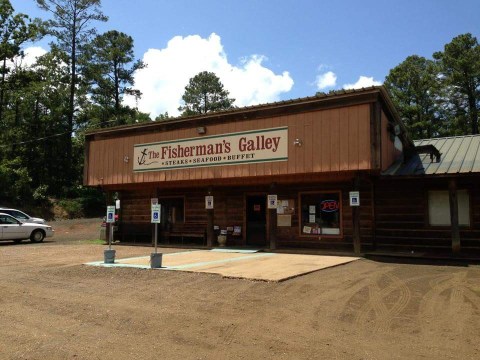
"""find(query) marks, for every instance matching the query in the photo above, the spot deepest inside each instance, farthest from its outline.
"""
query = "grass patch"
(95, 242)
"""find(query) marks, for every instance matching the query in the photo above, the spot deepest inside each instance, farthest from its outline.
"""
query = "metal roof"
(459, 155)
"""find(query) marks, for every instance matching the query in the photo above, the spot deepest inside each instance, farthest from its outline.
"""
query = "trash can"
(155, 260)
(109, 256)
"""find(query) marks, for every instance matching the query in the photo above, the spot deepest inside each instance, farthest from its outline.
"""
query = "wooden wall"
(334, 140)
(290, 237)
(388, 152)
(230, 209)
(401, 208)
(135, 215)
(398, 222)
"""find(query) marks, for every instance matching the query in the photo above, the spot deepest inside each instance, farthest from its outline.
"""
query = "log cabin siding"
(398, 221)
(333, 140)
(402, 219)
(230, 210)
(291, 237)
(134, 221)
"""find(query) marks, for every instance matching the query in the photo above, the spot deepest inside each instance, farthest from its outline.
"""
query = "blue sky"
(266, 50)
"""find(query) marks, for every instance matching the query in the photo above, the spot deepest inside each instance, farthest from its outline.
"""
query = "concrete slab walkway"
(237, 264)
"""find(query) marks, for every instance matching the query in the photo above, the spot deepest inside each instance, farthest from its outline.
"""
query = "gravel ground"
(75, 231)
(53, 307)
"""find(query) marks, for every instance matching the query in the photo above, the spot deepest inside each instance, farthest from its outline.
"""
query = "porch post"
(210, 220)
(108, 202)
(356, 219)
(272, 222)
(453, 199)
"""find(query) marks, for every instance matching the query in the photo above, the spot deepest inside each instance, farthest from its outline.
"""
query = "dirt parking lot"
(53, 307)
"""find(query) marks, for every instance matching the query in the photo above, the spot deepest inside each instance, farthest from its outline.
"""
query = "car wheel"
(37, 236)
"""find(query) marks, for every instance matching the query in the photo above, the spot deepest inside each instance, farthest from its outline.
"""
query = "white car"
(17, 230)
(20, 215)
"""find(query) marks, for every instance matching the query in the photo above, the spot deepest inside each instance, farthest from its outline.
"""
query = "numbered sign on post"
(155, 214)
(110, 214)
(208, 202)
(354, 198)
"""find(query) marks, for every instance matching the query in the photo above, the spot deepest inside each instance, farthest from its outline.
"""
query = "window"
(439, 208)
(320, 213)
(15, 213)
(173, 210)
(4, 219)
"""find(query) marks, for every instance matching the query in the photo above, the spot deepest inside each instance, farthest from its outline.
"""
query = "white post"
(110, 235)
(156, 236)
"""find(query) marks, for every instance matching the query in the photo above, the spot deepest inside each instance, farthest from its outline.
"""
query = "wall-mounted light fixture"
(125, 159)
(298, 142)
(201, 130)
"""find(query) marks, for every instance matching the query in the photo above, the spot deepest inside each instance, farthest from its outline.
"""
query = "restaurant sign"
(246, 147)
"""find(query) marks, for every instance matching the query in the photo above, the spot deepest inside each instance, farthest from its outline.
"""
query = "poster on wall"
(272, 201)
(284, 220)
(286, 207)
(307, 229)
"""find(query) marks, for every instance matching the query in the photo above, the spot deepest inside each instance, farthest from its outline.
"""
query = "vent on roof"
(429, 149)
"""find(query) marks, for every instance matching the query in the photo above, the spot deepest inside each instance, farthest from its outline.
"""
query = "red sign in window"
(329, 205)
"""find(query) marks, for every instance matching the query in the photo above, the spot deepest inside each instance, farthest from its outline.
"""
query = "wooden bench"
(187, 231)
(135, 233)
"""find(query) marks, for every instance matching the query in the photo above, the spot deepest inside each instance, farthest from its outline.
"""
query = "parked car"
(17, 230)
(20, 215)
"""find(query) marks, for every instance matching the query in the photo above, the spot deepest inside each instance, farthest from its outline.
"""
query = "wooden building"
(430, 201)
(316, 154)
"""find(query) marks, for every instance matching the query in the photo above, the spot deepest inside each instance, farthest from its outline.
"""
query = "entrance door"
(256, 220)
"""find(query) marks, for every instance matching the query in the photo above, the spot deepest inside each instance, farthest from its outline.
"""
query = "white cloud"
(31, 54)
(363, 82)
(326, 80)
(168, 70)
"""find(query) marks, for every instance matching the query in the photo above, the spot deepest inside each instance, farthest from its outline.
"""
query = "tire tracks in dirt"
(377, 304)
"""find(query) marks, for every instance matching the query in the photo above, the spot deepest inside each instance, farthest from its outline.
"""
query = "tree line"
(45, 107)
(80, 84)
(440, 96)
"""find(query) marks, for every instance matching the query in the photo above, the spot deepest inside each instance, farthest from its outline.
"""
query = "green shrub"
(93, 201)
(15, 182)
(73, 207)
(40, 195)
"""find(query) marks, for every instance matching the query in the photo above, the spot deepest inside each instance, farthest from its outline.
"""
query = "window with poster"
(321, 213)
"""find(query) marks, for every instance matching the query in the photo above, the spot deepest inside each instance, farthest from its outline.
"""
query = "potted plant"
(222, 238)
